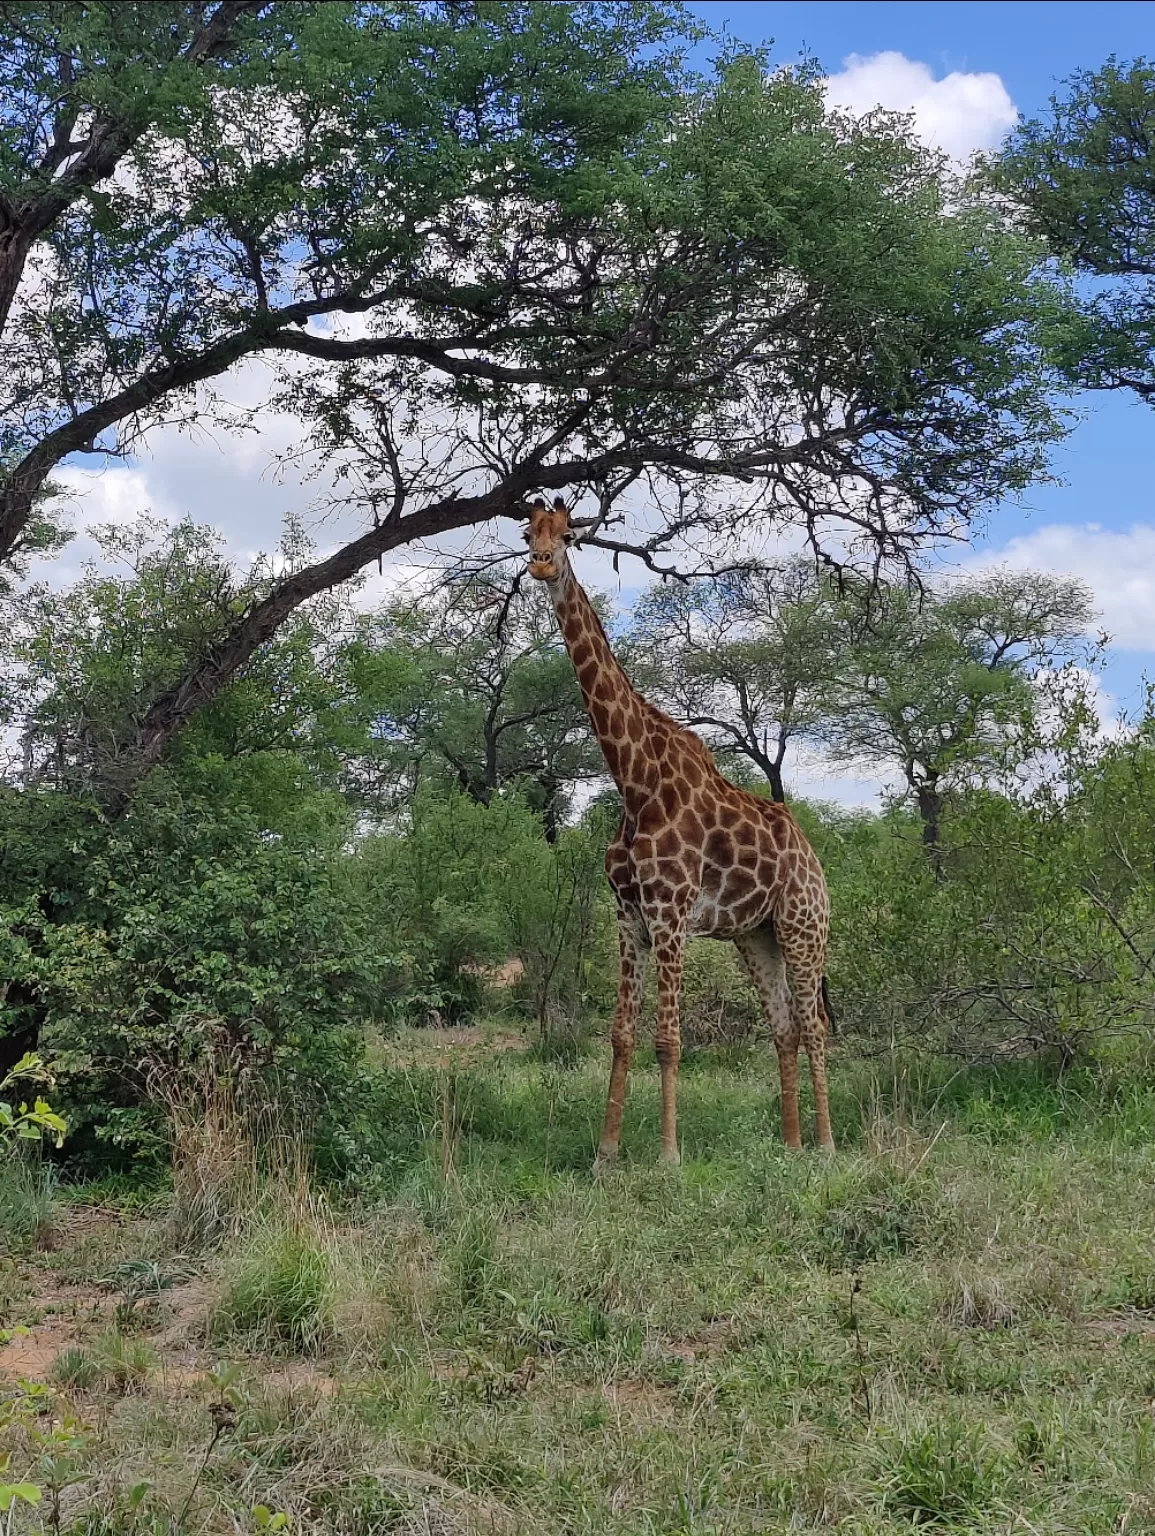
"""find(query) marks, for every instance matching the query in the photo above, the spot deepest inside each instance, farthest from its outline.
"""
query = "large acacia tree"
(496, 249)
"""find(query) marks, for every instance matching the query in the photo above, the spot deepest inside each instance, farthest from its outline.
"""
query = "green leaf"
(10, 1492)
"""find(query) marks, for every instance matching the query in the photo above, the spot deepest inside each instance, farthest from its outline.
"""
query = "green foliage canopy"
(1084, 176)
(570, 260)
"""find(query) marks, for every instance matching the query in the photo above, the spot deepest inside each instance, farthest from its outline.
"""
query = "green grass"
(27, 1202)
(280, 1287)
(948, 1326)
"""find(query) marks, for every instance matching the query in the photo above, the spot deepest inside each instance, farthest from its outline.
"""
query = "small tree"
(936, 682)
(561, 921)
(83, 663)
(484, 697)
(750, 657)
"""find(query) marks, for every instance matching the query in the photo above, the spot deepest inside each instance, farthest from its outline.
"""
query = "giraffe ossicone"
(693, 855)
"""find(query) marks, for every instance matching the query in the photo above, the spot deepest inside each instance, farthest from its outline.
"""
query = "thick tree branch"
(32, 209)
(20, 487)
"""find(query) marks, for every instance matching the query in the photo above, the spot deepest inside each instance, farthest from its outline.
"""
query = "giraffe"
(693, 855)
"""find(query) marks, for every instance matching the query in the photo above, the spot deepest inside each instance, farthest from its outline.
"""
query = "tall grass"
(230, 1137)
(27, 1202)
(279, 1288)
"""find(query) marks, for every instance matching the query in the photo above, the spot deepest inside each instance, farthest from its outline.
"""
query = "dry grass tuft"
(230, 1142)
(978, 1301)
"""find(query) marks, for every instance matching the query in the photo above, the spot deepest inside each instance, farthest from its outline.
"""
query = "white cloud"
(116, 494)
(811, 775)
(960, 113)
(1118, 566)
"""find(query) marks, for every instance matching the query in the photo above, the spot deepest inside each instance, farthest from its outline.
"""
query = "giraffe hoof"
(604, 1163)
(671, 1157)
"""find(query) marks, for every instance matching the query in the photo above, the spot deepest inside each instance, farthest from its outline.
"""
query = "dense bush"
(469, 885)
(1038, 933)
(190, 933)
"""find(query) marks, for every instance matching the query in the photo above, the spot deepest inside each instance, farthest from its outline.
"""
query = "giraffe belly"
(713, 917)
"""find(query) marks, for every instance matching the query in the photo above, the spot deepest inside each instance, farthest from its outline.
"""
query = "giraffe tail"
(827, 1009)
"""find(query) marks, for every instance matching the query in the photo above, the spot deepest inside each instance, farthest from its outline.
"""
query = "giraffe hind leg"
(804, 954)
(763, 959)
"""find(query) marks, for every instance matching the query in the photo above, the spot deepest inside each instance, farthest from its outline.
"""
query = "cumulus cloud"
(1117, 565)
(116, 494)
(960, 113)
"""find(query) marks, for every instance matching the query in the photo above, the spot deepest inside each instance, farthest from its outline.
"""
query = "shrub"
(201, 935)
(122, 1363)
(75, 1367)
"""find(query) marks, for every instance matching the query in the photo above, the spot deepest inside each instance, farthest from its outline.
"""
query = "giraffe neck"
(615, 709)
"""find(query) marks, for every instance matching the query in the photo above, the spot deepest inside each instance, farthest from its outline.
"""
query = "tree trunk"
(205, 678)
(772, 768)
(489, 771)
(930, 810)
(774, 774)
(550, 808)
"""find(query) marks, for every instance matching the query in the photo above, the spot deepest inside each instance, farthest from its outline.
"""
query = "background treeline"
(391, 805)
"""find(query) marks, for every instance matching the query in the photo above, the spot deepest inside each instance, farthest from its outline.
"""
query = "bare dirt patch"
(713, 1340)
(56, 1314)
(1118, 1325)
(641, 1399)
(31, 1358)
(61, 1313)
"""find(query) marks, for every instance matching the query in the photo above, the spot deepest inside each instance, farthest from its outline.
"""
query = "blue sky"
(1031, 46)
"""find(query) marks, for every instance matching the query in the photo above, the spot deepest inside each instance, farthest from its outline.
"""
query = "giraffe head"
(547, 535)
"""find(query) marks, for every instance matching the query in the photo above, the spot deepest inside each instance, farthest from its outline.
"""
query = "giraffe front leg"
(669, 949)
(632, 955)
